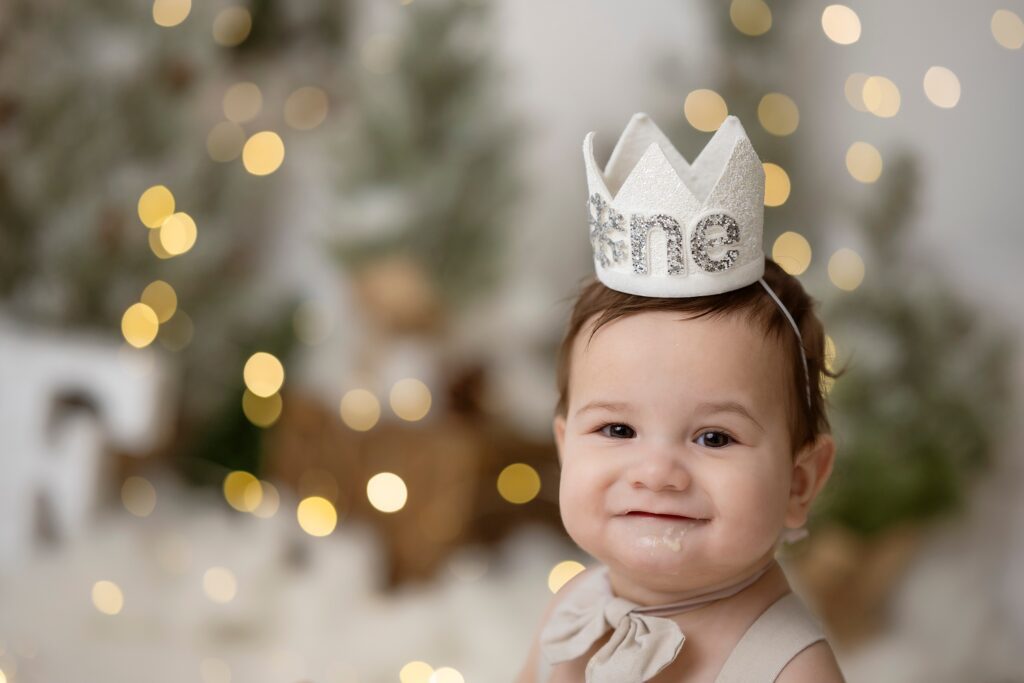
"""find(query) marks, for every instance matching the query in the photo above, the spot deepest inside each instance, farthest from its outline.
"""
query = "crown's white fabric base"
(698, 283)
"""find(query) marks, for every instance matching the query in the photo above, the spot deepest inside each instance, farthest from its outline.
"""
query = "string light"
(562, 573)
(846, 269)
(864, 162)
(942, 87)
(776, 185)
(705, 110)
(792, 252)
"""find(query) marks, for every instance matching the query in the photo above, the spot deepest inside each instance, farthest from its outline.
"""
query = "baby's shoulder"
(816, 663)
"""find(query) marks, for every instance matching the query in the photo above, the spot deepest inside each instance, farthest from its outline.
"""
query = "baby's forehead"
(677, 356)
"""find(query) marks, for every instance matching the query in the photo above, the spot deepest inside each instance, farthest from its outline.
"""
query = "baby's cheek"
(581, 503)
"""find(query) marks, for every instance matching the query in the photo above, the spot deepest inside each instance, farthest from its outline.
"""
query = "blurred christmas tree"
(429, 151)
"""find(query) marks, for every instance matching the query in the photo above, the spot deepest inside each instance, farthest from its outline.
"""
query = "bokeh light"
(776, 185)
(519, 483)
(415, 672)
(242, 102)
(317, 516)
(705, 110)
(263, 374)
(750, 17)
(155, 205)
(107, 597)
(841, 24)
(169, 13)
(846, 269)
(140, 325)
(830, 359)
(178, 233)
(138, 496)
(305, 108)
(262, 411)
(219, 584)
(562, 573)
(386, 492)
(881, 97)
(177, 333)
(360, 409)
(270, 501)
(446, 674)
(263, 153)
(1008, 29)
(942, 87)
(778, 114)
(237, 487)
(864, 162)
(792, 252)
(410, 399)
(231, 26)
(162, 298)
(854, 90)
(225, 140)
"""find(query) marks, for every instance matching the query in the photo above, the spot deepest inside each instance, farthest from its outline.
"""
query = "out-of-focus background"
(281, 285)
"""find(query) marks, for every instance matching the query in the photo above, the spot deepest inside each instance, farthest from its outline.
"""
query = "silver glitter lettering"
(605, 224)
(700, 244)
(639, 229)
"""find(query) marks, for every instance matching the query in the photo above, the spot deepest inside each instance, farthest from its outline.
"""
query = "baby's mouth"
(670, 517)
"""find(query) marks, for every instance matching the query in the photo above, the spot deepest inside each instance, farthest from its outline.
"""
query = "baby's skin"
(679, 475)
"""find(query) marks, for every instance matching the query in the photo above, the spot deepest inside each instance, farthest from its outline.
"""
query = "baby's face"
(650, 436)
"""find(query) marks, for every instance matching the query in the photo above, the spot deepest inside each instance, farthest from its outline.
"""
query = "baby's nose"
(660, 470)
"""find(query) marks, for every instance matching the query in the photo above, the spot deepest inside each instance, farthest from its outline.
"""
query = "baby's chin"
(654, 546)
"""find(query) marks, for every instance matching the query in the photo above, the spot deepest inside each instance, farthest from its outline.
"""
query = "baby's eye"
(618, 431)
(718, 440)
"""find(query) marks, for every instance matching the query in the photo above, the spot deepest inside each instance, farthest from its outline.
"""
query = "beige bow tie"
(643, 643)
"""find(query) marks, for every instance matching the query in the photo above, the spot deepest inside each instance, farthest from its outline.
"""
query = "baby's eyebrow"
(705, 407)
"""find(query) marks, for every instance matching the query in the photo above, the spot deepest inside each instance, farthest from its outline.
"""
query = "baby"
(691, 431)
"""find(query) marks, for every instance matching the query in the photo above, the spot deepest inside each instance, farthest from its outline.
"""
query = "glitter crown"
(663, 227)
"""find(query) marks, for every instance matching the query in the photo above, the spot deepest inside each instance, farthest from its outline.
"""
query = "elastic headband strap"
(803, 353)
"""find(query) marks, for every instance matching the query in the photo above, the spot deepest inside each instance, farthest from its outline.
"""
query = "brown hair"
(753, 302)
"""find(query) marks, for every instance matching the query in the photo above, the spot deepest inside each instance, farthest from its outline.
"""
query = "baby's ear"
(811, 469)
(558, 426)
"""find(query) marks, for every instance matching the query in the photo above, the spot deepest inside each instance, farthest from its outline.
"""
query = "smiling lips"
(656, 515)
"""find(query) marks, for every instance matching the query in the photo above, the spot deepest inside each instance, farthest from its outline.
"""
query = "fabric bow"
(640, 646)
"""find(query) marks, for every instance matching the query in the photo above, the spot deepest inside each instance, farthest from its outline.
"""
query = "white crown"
(663, 227)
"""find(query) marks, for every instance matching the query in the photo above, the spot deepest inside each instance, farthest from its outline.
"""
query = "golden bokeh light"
(864, 162)
(178, 233)
(410, 399)
(231, 26)
(317, 516)
(138, 496)
(776, 185)
(446, 674)
(156, 247)
(270, 501)
(387, 492)
(162, 298)
(305, 108)
(360, 409)
(169, 13)
(263, 374)
(262, 411)
(854, 90)
(1008, 29)
(841, 24)
(242, 102)
(881, 97)
(263, 153)
(778, 114)
(177, 333)
(155, 205)
(830, 358)
(107, 597)
(705, 110)
(139, 325)
(415, 672)
(519, 483)
(213, 670)
(237, 487)
(792, 252)
(562, 573)
(219, 584)
(225, 141)
(750, 17)
(942, 87)
(846, 269)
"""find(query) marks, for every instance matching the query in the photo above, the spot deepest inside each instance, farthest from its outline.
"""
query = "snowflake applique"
(604, 223)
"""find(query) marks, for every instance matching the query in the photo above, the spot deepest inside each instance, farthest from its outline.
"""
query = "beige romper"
(782, 631)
